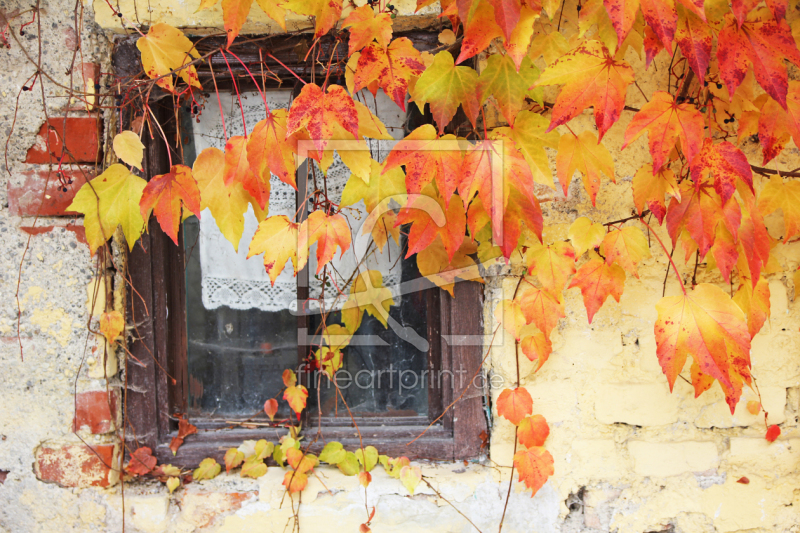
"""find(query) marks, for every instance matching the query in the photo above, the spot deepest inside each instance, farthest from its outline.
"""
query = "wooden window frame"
(157, 371)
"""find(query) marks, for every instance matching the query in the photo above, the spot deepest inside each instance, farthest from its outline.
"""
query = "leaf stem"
(675, 268)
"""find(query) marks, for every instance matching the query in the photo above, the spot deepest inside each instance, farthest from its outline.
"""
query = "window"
(213, 334)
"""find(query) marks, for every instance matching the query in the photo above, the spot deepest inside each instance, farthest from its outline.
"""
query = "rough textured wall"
(630, 456)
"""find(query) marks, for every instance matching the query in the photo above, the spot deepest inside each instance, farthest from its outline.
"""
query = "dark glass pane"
(236, 356)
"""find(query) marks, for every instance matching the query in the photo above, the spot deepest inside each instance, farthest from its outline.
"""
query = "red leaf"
(429, 218)
(506, 15)
(391, 68)
(622, 14)
(514, 404)
(142, 462)
(167, 194)
(662, 17)
(726, 163)
(773, 432)
(743, 480)
(534, 465)
(597, 281)
(533, 431)
(271, 407)
(317, 112)
(694, 39)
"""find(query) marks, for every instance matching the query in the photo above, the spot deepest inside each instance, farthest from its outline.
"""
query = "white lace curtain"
(228, 277)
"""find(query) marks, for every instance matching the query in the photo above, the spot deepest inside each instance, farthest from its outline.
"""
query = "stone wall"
(629, 455)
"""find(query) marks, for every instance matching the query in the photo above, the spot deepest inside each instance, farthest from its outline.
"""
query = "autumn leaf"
(276, 237)
(506, 84)
(165, 49)
(552, 265)
(773, 432)
(296, 396)
(365, 27)
(652, 46)
(301, 462)
(531, 136)
(774, 129)
(516, 45)
(329, 232)
(173, 483)
(368, 457)
(585, 235)
(333, 453)
(271, 151)
(430, 218)
(253, 467)
(597, 281)
(289, 378)
(167, 195)
(325, 12)
(184, 430)
(237, 170)
(694, 39)
(762, 42)
(551, 46)
(141, 463)
(786, 197)
(585, 154)
(591, 77)
(410, 476)
(533, 431)
(514, 404)
(622, 14)
(707, 324)
(650, 189)
(662, 17)
(536, 347)
(368, 294)
(271, 408)
(391, 68)
(542, 308)
(480, 27)
(129, 148)
(110, 200)
(699, 210)
(434, 263)
(445, 86)
(509, 312)
(234, 15)
(233, 458)
(383, 185)
(349, 465)
(754, 303)
(626, 247)
(726, 163)
(295, 481)
(227, 203)
(665, 121)
(317, 112)
(111, 324)
(534, 465)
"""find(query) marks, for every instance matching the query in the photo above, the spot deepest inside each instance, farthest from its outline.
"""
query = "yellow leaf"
(410, 476)
(585, 235)
(129, 148)
(227, 203)
(110, 200)
(173, 483)
(253, 467)
(276, 238)
(433, 263)
(586, 155)
(111, 325)
(208, 469)
(380, 186)
(627, 247)
(371, 454)
(367, 294)
(165, 49)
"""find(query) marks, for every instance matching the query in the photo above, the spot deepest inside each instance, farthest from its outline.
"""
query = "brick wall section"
(96, 411)
(77, 465)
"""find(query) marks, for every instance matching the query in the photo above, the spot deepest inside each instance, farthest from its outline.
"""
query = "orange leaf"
(726, 162)
(514, 404)
(534, 465)
(184, 430)
(753, 407)
(271, 408)
(754, 303)
(166, 194)
(774, 129)
(365, 26)
(763, 42)
(585, 154)
(598, 280)
(325, 12)
(480, 27)
(427, 158)
(537, 348)
(328, 232)
(552, 265)
(786, 197)
(270, 151)
(234, 15)
(533, 431)
(707, 324)
(289, 378)
(237, 170)
(111, 325)
(391, 68)
(773, 432)
(509, 312)
(626, 247)
(694, 39)
(296, 396)
(429, 217)
(295, 481)
(142, 462)
(665, 121)
(662, 17)
(622, 14)
(651, 189)
(542, 308)
(699, 211)
(317, 112)
(591, 77)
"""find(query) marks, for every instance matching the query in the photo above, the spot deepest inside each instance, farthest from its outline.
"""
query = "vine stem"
(236, 88)
(669, 256)
(293, 73)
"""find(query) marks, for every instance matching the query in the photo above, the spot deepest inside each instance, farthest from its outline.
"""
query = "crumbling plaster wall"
(629, 455)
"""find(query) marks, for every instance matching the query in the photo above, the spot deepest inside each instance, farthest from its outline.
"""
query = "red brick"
(96, 410)
(42, 193)
(77, 465)
(82, 137)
